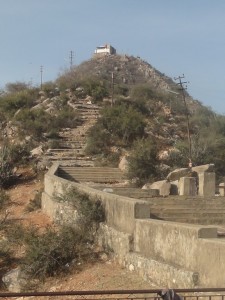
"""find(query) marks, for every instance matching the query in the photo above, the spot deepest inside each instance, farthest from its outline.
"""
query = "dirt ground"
(105, 275)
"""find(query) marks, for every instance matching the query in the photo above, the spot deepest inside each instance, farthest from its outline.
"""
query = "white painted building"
(105, 50)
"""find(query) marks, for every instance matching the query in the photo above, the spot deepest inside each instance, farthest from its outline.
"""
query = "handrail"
(108, 292)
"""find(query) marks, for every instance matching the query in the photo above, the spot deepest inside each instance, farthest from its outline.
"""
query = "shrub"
(143, 161)
(35, 203)
(19, 153)
(95, 88)
(51, 252)
(34, 122)
(90, 213)
(66, 117)
(99, 140)
(11, 103)
(6, 166)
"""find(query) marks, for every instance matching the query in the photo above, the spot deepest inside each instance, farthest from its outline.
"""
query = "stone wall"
(168, 253)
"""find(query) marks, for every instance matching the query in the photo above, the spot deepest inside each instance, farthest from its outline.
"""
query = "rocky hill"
(128, 71)
(79, 95)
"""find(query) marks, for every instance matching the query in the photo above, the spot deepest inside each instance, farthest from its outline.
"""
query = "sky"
(175, 36)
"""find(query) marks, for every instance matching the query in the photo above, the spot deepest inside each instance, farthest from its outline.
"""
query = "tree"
(124, 123)
(143, 161)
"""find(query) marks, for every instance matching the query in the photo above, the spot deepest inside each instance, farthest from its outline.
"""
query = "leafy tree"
(99, 140)
(11, 103)
(34, 122)
(95, 88)
(143, 161)
(118, 125)
(66, 117)
(123, 123)
(15, 87)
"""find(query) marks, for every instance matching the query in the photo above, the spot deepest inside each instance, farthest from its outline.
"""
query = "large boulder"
(14, 280)
(163, 186)
(178, 173)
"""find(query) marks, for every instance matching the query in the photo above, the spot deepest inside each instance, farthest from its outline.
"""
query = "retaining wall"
(170, 254)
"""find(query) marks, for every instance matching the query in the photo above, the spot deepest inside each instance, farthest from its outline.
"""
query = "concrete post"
(187, 186)
(222, 189)
(207, 184)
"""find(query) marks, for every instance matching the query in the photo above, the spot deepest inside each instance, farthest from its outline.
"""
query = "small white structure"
(105, 50)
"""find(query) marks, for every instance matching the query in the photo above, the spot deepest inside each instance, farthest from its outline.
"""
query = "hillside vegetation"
(140, 119)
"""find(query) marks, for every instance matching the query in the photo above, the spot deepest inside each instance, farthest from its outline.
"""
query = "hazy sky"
(175, 36)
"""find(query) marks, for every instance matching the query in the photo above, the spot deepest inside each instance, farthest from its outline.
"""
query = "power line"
(183, 88)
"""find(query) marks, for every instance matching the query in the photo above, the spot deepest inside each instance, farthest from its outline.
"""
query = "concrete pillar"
(222, 189)
(187, 186)
(207, 184)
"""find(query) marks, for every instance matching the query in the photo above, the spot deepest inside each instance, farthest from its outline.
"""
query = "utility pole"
(71, 59)
(181, 84)
(41, 70)
(112, 83)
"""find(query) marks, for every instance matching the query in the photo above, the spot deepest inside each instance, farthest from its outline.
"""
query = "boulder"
(163, 186)
(178, 173)
(14, 280)
(204, 168)
(123, 165)
(37, 151)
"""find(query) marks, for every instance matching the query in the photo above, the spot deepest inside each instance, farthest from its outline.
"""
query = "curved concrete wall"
(171, 254)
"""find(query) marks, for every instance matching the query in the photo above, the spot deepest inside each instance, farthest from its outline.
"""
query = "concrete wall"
(168, 253)
(121, 212)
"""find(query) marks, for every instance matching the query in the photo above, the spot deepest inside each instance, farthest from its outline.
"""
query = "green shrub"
(66, 117)
(143, 161)
(11, 103)
(95, 88)
(19, 153)
(34, 122)
(90, 213)
(54, 143)
(6, 166)
(99, 140)
(53, 251)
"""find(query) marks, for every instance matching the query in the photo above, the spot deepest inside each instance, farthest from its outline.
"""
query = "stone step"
(190, 201)
(94, 174)
(55, 158)
(188, 213)
(129, 192)
(194, 220)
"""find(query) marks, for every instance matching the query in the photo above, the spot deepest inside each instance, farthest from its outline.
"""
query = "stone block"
(207, 184)
(187, 186)
(163, 186)
(204, 168)
(222, 189)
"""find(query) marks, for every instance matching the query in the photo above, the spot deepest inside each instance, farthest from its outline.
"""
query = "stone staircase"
(198, 210)
(91, 174)
(73, 141)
